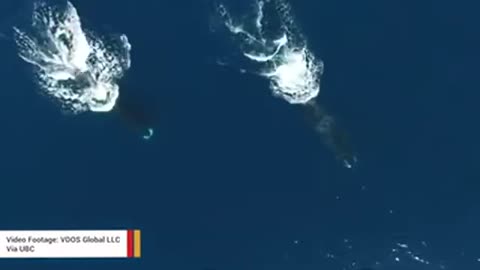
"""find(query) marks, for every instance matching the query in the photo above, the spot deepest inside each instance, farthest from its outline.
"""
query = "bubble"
(74, 66)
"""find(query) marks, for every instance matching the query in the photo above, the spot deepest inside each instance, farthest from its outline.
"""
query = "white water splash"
(271, 39)
(292, 69)
(72, 65)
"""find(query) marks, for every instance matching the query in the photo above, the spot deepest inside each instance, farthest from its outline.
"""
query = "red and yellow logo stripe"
(134, 244)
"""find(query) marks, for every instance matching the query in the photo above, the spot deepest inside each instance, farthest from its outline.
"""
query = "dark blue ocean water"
(234, 179)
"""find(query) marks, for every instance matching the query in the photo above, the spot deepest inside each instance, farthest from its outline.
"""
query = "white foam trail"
(76, 67)
(272, 40)
(292, 69)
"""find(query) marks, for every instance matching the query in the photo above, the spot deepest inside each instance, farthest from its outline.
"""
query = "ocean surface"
(234, 178)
